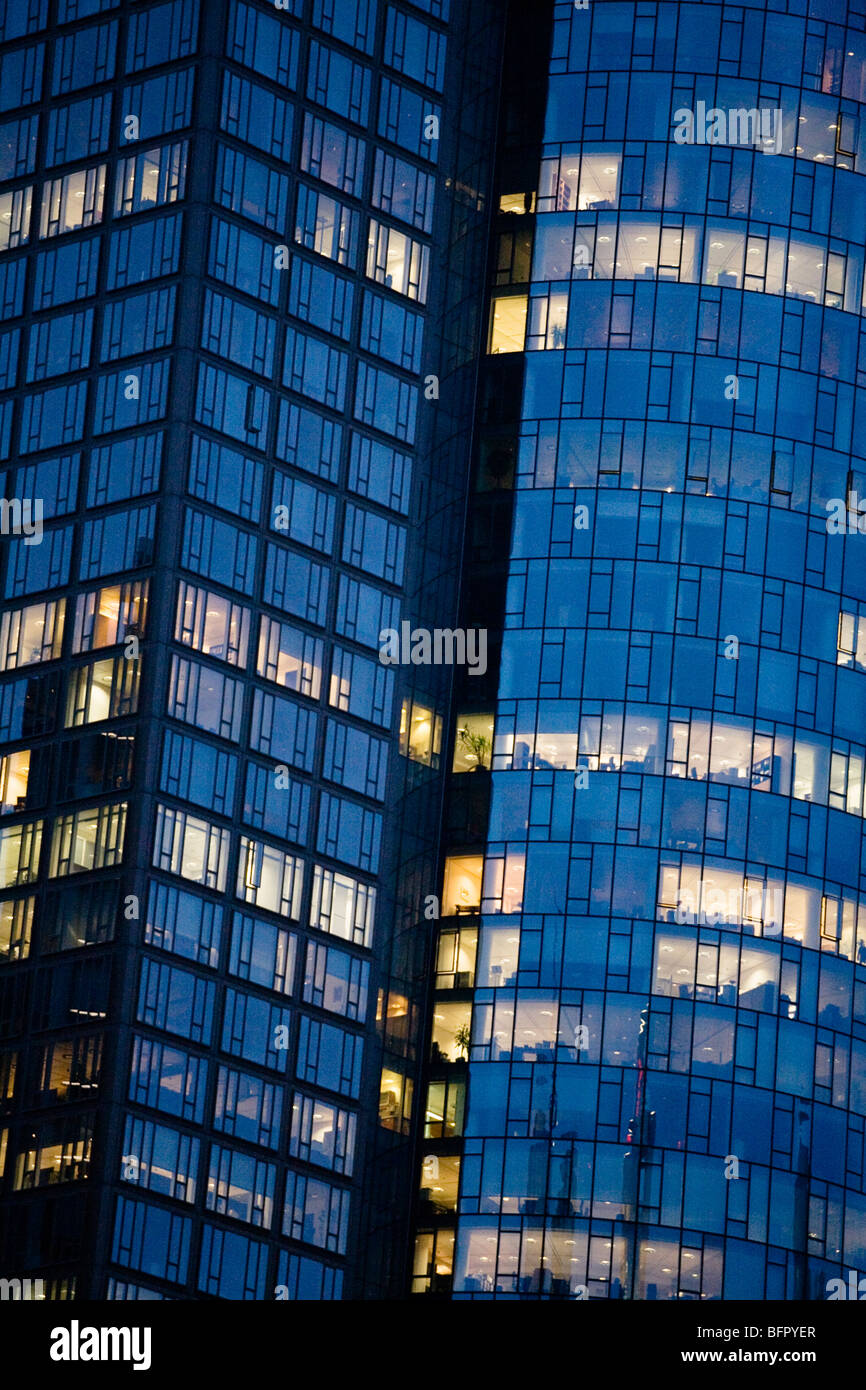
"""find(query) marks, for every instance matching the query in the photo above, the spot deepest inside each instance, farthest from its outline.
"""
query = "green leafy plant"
(462, 1039)
(478, 746)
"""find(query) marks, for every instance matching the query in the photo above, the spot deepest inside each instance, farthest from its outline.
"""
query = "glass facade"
(216, 237)
(649, 1019)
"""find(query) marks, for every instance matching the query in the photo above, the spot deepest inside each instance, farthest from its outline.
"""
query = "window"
(238, 332)
(264, 43)
(79, 131)
(374, 544)
(403, 191)
(15, 218)
(107, 616)
(152, 1239)
(414, 49)
(175, 1000)
(226, 402)
(309, 441)
(128, 468)
(191, 847)
(342, 906)
(396, 261)
(333, 155)
(262, 953)
(461, 885)
(206, 698)
(403, 119)
(21, 76)
(508, 323)
(67, 272)
(167, 1078)
(122, 541)
(183, 923)
(158, 1158)
(79, 914)
(59, 344)
(420, 733)
(444, 1110)
(16, 928)
(290, 657)
(314, 368)
(70, 1070)
(355, 26)
(248, 1107)
(143, 251)
(355, 759)
(380, 472)
(129, 398)
(232, 1266)
(349, 832)
(336, 981)
(329, 1056)
(162, 33)
(363, 611)
(321, 298)
(269, 877)
(218, 550)
(59, 1152)
(277, 803)
(138, 323)
(335, 81)
(473, 742)
(255, 1030)
(31, 634)
(241, 1186)
(161, 105)
(257, 116)
(212, 624)
(19, 853)
(322, 1134)
(149, 179)
(225, 478)
(391, 331)
(281, 724)
(316, 1212)
(248, 186)
(88, 839)
(361, 687)
(73, 201)
(244, 260)
(386, 402)
(195, 771)
(327, 226)
(85, 57)
(587, 183)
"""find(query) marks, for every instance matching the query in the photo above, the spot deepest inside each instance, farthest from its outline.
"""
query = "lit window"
(398, 262)
(508, 323)
(72, 202)
(473, 742)
(212, 624)
(31, 634)
(16, 922)
(106, 616)
(19, 853)
(15, 218)
(14, 776)
(461, 886)
(420, 733)
(88, 839)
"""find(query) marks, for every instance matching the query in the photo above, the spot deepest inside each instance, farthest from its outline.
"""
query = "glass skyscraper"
(327, 973)
(665, 1072)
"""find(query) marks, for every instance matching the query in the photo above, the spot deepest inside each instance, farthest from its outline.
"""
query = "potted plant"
(462, 1039)
(477, 746)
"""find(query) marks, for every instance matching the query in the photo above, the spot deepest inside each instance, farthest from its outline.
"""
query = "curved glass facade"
(667, 1058)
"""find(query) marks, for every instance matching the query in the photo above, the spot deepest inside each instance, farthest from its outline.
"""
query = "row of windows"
(91, 838)
(84, 128)
(156, 1242)
(150, 179)
(726, 254)
(643, 739)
